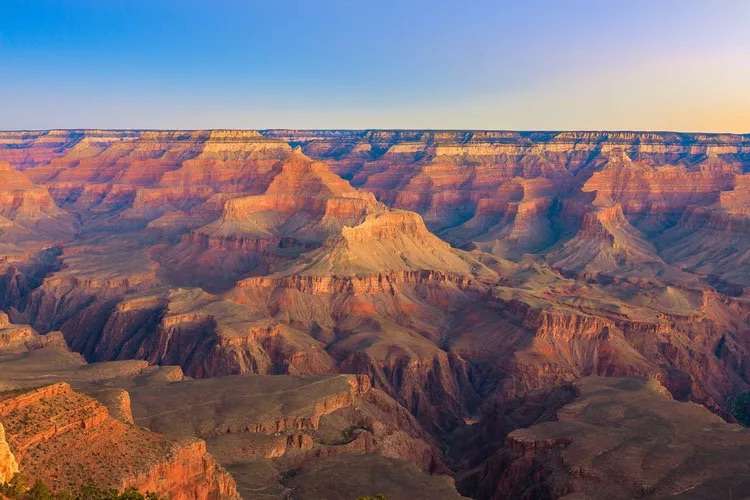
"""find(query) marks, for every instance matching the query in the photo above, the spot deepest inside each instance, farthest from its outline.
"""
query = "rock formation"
(288, 423)
(67, 439)
(8, 464)
(463, 273)
(622, 438)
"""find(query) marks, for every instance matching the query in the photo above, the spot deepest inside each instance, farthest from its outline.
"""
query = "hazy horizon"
(389, 129)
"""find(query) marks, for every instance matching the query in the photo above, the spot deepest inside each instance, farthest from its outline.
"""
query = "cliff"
(67, 439)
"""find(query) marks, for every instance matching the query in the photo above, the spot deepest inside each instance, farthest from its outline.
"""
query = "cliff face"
(67, 439)
(606, 241)
(188, 472)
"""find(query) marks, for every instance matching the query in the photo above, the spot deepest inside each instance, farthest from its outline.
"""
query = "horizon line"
(384, 129)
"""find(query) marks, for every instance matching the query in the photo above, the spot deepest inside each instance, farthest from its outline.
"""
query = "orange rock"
(67, 439)
(8, 464)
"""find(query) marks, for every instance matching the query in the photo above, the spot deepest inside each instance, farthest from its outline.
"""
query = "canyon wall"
(460, 271)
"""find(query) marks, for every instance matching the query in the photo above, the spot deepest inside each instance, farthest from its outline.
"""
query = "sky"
(680, 65)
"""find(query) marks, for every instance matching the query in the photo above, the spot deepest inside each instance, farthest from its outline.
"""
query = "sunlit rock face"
(463, 272)
(68, 439)
(8, 464)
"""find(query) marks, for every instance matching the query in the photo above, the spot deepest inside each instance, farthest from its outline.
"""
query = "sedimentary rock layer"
(461, 271)
(67, 439)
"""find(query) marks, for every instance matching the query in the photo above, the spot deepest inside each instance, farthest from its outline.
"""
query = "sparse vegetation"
(379, 496)
(18, 489)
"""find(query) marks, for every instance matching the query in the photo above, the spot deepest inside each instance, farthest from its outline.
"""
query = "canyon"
(422, 314)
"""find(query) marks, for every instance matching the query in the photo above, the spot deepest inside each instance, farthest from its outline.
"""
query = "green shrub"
(39, 491)
(16, 487)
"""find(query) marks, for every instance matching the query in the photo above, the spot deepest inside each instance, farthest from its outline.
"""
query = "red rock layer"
(67, 439)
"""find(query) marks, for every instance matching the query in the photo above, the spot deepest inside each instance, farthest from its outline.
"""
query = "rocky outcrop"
(567, 343)
(18, 338)
(301, 414)
(67, 439)
(303, 402)
(606, 241)
(459, 180)
(8, 464)
(711, 242)
(21, 273)
(117, 402)
(388, 241)
(302, 206)
(641, 187)
(188, 472)
(448, 177)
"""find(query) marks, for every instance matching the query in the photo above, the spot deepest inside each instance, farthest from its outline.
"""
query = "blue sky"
(555, 64)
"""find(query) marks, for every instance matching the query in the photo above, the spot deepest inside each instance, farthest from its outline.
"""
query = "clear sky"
(554, 64)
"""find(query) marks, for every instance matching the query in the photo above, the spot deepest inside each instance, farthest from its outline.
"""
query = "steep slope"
(67, 439)
(138, 316)
(606, 242)
(353, 293)
(659, 193)
(279, 423)
(453, 177)
(714, 241)
(70, 437)
(525, 225)
(26, 357)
